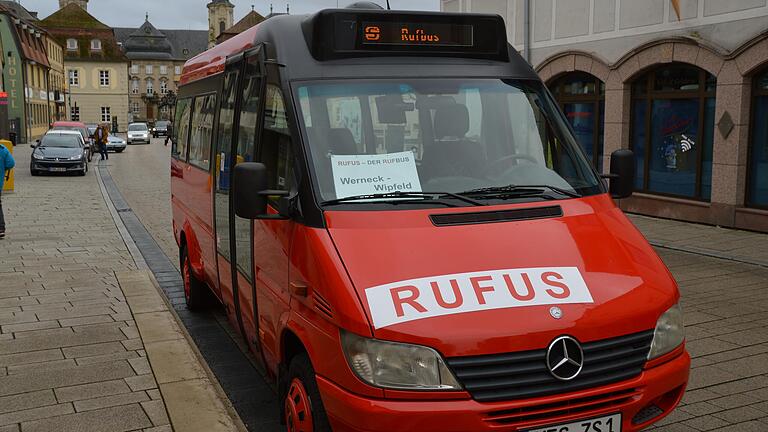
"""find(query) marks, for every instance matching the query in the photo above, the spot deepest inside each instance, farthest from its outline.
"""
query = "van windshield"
(448, 136)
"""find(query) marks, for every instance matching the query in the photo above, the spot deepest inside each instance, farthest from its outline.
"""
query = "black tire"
(34, 173)
(195, 292)
(82, 172)
(297, 401)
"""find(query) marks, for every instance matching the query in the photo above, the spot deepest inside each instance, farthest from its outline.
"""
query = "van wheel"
(194, 289)
(302, 406)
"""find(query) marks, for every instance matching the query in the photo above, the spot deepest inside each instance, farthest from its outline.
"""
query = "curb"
(193, 398)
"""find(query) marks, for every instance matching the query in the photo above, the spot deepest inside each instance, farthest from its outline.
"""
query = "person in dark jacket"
(6, 164)
(169, 134)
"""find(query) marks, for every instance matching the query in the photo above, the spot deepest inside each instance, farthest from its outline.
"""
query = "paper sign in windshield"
(428, 297)
(355, 175)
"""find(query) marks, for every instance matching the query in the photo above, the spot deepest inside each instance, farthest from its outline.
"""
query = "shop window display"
(673, 130)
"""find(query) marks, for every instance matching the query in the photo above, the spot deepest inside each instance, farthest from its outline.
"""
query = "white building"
(689, 95)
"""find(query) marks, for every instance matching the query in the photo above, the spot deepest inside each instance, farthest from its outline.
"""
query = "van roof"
(286, 41)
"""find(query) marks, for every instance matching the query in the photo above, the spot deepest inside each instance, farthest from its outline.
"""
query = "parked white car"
(138, 132)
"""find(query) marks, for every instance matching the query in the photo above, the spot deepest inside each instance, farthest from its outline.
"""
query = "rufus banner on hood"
(427, 297)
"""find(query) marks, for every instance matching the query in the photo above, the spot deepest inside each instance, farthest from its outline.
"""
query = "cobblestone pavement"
(725, 301)
(70, 354)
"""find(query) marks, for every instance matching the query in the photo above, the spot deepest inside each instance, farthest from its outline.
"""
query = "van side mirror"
(622, 176)
(250, 193)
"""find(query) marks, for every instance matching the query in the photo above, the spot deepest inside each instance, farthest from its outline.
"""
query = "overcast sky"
(192, 14)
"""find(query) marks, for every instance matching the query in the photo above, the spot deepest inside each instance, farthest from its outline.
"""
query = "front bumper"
(116, 146)
(662, 386)
(60, 166)
(135, 139)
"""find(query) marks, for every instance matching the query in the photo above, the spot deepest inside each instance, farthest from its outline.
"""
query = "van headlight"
(397, 365)
(38, 156)
(669, 333)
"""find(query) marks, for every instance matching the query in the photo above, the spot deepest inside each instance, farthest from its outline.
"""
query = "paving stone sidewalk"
(71, 358)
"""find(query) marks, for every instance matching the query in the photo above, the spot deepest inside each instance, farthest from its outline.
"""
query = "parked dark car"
(160, 129)
(59, 152)
(84, 131)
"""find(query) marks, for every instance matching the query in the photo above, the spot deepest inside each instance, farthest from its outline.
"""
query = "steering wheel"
(496, 166)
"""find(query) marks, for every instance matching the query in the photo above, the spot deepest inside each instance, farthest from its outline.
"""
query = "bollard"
(8, 185)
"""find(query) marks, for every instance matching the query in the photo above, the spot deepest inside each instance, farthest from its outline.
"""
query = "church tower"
(82, 3)
(221, 16)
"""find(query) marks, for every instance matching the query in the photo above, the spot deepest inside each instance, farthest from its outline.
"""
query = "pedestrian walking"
(6, 163)
(101, 140)
(168, 133)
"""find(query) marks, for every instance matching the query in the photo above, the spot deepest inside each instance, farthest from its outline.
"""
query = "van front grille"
(518, 375)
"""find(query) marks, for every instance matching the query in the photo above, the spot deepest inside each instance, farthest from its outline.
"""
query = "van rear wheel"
(194, 289)
(302, 405)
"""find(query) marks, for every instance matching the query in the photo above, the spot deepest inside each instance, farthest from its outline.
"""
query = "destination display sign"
(417, 33)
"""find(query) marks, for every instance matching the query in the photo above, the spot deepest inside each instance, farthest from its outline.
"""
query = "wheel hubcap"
(298, 411)
(185, 276)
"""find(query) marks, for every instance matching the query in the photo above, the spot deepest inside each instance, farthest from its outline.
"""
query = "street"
(61, 238)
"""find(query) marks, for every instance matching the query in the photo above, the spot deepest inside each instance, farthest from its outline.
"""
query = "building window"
(106, 116)
(104, 78)
(163, 70)
(163, 86)
(74, 78)
(757, 186)
(222, 27)
(96, 45)
(148, 69)
(673, 121)
(134, 69)
(150, 87)
(177, 70)
(71, 44)
(74, 113)
(135, 107)
(135, 86)
(582, 98)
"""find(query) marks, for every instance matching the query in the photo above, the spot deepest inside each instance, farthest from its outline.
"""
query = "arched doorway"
(672, 131)
(581, 96)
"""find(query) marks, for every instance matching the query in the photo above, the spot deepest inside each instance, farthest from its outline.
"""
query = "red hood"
(629, 285)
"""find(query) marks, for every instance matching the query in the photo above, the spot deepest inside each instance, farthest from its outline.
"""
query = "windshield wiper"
(515, 190)
(398, 195)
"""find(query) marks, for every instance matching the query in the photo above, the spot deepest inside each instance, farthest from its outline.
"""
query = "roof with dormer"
(72, 22)
(147, 42)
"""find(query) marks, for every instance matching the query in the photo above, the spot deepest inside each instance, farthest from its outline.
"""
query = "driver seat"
(452, 154)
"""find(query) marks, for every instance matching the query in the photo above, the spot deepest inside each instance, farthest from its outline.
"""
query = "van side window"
(181, 131)
(276, 151)
(202, 131)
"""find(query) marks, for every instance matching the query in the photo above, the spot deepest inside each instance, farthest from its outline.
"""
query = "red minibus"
(398, 220)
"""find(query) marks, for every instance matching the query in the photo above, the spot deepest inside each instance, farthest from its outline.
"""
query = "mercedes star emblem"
(556, 312)
(565, 358)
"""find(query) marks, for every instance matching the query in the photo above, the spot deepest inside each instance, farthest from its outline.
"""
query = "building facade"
(157, 59)
(687, 93)
(221, 16)
(96, 68)
(32, 76)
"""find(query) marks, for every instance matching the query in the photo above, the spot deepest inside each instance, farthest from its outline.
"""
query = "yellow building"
(220, 18)
(96, 69)
(56, 85)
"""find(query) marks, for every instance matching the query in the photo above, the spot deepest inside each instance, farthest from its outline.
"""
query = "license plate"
(58, 169)
(611, 423)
